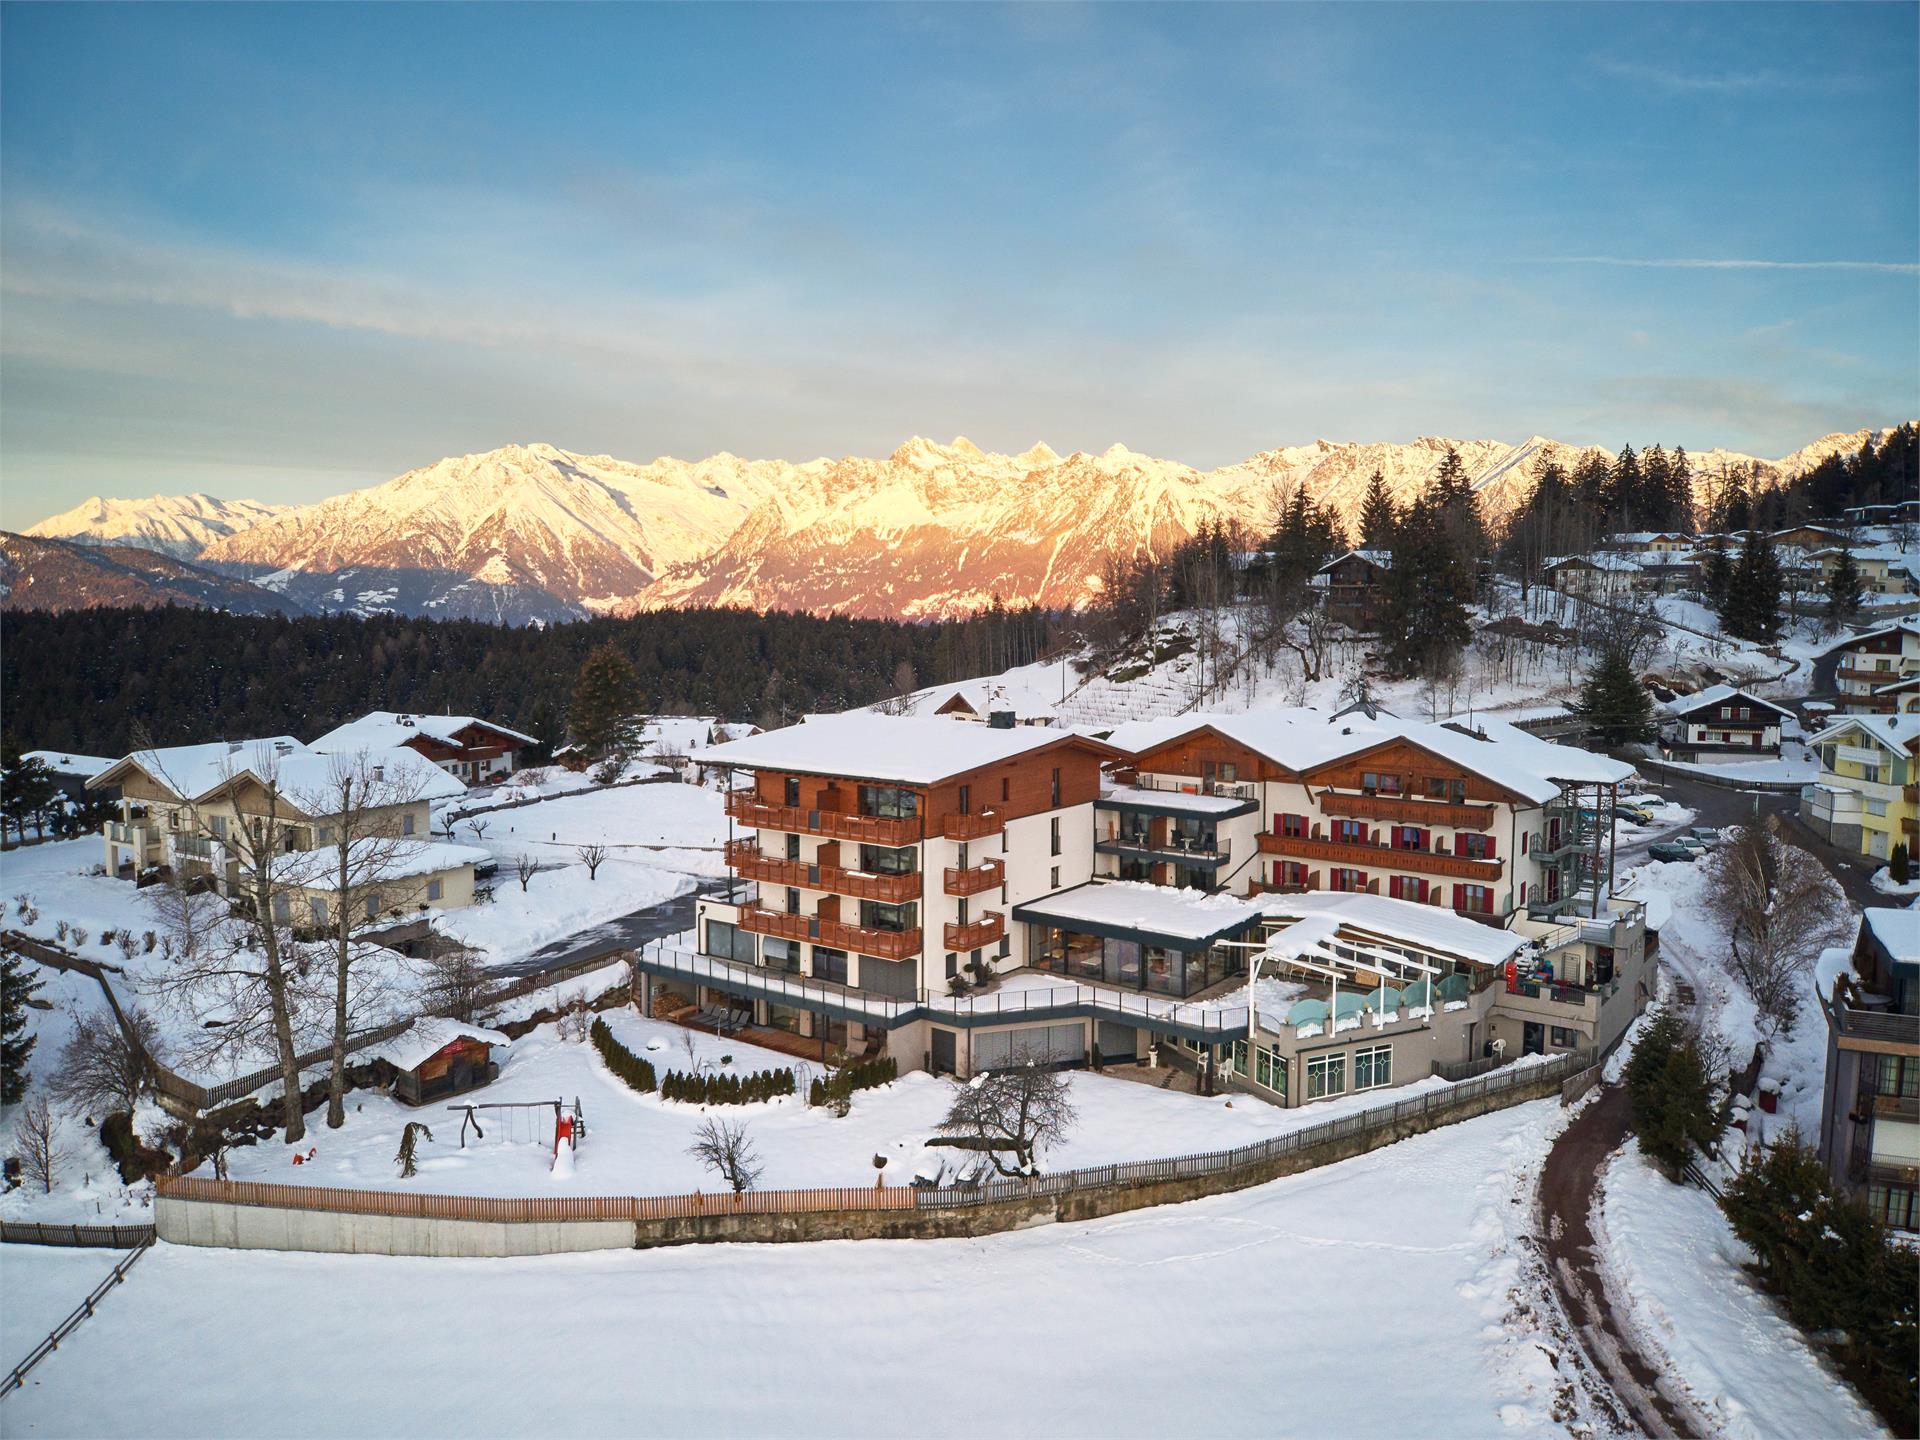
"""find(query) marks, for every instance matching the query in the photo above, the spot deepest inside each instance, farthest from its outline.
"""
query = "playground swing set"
(522, 1123)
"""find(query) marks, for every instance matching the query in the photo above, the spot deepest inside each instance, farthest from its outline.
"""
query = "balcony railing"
(835, 824)
(1380, 857)
(861, 939)
(1174, 847)
(975, 878)
(989, 929)
(1883, 1026)
(1897, 1107)
(971, 827)
(746, 858)
(1407, 809)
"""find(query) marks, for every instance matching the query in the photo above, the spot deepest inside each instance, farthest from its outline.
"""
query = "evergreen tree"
(1616, 705)
(17, 986)
(1457, 506)
(1591, 480)
(1680, 492)
(27, 787)
(1652, 498)
(1845, 590)
(1623, 491)
(606, 699)
(1379, 516)
(1424, 619)
(1716, 575)
(1671, 1094)
(1751, 610)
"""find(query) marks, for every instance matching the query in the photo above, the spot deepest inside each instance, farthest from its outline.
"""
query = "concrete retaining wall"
(259, 1227)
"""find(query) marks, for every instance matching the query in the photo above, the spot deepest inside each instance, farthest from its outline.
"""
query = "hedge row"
(720, 1088)
(636, 1070)
(839, 1085)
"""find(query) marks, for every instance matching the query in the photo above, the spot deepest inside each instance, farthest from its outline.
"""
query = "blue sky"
(279, 252)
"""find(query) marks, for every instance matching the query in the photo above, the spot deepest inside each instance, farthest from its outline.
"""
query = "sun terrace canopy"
(1174, 803)
(1152, 914)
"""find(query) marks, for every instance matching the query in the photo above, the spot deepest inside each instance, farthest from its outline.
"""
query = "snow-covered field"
(1746, 1364)
(637, 1144)
(1369, 1297)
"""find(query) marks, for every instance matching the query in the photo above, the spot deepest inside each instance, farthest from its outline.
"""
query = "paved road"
(1569, 1186)
(624, 932)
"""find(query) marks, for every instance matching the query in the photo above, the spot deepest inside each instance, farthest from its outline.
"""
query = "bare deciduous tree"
(244, 982)
(363, 867)
(723, 1147)
(1015, 1110)
(478, 825)
(1780, 909)
(101, 1068)
(593, 857)
(36, 1133)
(455, 984)
(524, 869)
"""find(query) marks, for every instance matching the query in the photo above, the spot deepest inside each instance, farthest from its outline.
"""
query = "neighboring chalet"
(1870, 1115)
(181, 806)
(962, 897)
(1725, 721)
(1870, 662)
(1864, 800)
(1649, 542)
(993, 702)
(1592, 576)
(70, 773)
(476, 751)
(1808, 537)
(1353, 585)
(1883, 569)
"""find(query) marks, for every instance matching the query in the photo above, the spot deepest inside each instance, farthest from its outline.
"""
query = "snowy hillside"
(182, 526)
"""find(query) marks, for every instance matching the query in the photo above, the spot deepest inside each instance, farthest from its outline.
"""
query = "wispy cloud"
(1881, 267)
(1712, 82)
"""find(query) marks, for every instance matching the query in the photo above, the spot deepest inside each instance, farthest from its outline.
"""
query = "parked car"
(1706, 834)
(1638, 814)
(1670, 850)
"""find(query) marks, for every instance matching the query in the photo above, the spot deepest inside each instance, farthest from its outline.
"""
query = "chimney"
(1000, 719)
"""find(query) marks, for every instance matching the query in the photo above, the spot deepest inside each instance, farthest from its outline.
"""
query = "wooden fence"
(101, 1237)
(18, 1375)
(524, 1210)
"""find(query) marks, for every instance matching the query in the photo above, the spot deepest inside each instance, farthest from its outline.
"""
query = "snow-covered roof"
(1133, 906)
(1382, 559)
(1896, 732)
(426, 1038)
(984, 697)
(1645, 537)
(384, 729)
(1715, 695)
(1172, 800)
(1399, 922)
(1600, 560)
(303, 776)
(904, 749)
(1898, 932)
(374, 861)
(61, 762)
(1302, 739)
(1847, 642)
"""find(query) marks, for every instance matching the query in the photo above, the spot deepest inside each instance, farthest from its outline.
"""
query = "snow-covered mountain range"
(178, 525)
(533, 532)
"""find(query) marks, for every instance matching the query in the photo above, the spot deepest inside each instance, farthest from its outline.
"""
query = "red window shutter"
(1459, 844)
(1426, 839)
(1456, 897)
(1492, 842)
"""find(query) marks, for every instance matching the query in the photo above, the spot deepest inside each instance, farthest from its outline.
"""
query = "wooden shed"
(436, 1058)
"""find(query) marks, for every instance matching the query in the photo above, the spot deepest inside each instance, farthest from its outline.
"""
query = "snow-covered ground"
(637, 1144)
(1371, 1297)
(1680, 1268)
(1795, 765)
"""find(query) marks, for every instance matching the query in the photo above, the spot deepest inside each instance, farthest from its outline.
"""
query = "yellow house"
(1865, 797)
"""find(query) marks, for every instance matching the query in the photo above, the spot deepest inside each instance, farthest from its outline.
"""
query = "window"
(730, 942)
(1353, 881)
(1473, 899)
(1350, 832)
(1293, 825)
(888, 802)
(1897, 1075)
(1475, 847)
(218, 824)
(793, 901)
(1526, 842)
(1293, 872)
(1452, 791)
(1053, 835)
(406, 823)
(282, 907)
(1053, 878)
(1408, 887)
(323, 835)
(1006, 790)
(780, 955)
(792, 790)
(1407, 837)
(1239, 1057)
(1055, 792)
(964, 804)
(887, 860)
(373, 906)
(1562, 1037)
(1270, 1070)
(1376, 783)
(1326, 1075)
(878, 915)
(953, 964)
(830, 965)
(793, 847)
(1373, 1068)
(1892, 1205)
(317, 909)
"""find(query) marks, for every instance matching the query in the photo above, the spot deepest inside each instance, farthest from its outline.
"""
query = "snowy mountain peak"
(178, 525)
(1040, 455)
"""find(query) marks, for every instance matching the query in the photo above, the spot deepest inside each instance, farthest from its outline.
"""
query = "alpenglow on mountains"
(536, 533)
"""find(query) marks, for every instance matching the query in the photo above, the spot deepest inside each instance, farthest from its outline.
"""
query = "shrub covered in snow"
(634, 1069)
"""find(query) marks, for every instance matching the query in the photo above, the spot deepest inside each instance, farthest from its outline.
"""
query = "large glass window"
(1373, 1068)
(887, 859)
(780, 955)
(830, 965)
(730, 942)
(888, 801)
(1326, 1075)
(878, 915)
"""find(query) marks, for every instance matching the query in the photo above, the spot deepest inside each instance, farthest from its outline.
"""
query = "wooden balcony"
(989, 929)
(886, 944)
(1381, 857)
(743, 806)
(971, 827)
(1406, 810)
(744, 857)
(971, 881)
